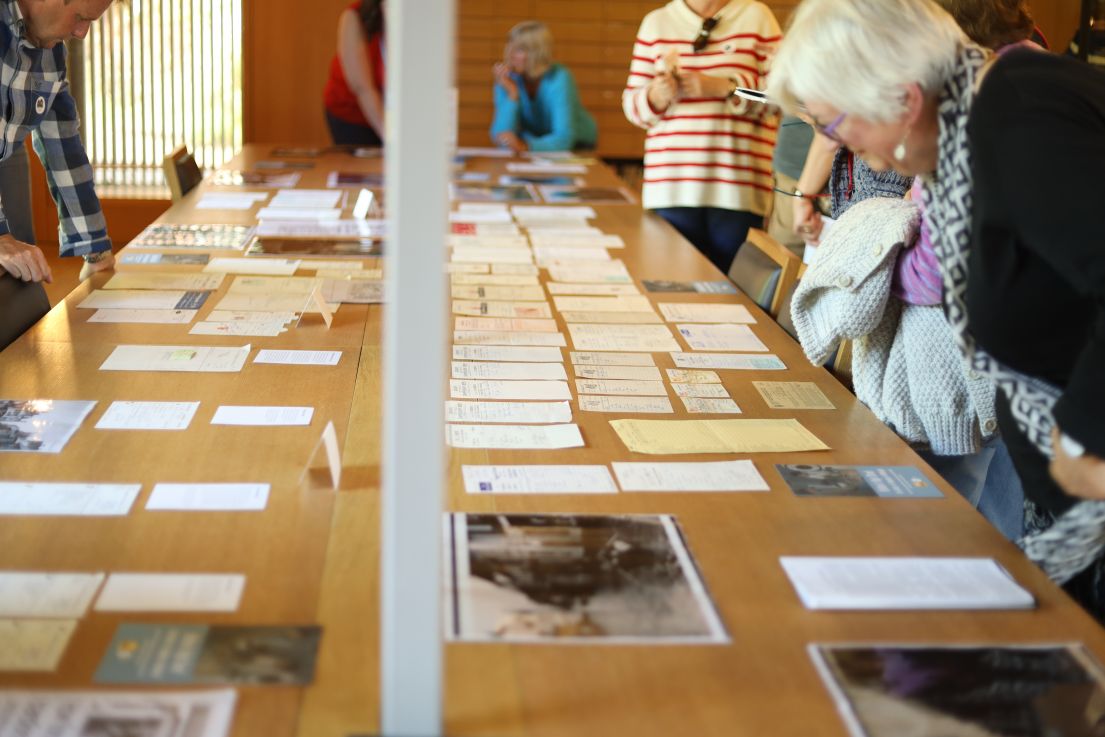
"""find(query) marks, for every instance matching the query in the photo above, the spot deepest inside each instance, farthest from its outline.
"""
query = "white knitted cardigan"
(906, 365)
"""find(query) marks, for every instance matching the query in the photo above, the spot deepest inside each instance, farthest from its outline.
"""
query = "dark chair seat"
(22, 304)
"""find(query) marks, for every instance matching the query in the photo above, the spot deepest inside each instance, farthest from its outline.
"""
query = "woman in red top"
(354, 94)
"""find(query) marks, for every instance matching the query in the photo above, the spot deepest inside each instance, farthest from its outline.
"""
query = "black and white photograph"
(563, 578)
(39, 425)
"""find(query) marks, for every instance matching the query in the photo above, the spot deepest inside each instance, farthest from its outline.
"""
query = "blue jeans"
(716, 232)
(989, 482)
(351, 134)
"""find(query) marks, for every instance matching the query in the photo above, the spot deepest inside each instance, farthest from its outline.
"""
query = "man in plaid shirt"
(35, 100)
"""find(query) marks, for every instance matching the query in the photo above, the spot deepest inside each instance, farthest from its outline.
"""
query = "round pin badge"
(40, 105)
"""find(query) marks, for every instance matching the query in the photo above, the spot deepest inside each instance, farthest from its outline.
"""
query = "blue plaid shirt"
(35, 99)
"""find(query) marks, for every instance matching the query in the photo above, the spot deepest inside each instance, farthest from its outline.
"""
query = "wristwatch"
(803, 195)
(733, 90)
(95, 258)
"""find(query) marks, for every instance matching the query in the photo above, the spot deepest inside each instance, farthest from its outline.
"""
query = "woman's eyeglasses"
(829, 131)
(703, 36)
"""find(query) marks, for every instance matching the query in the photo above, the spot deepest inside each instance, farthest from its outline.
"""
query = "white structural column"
(419, 80)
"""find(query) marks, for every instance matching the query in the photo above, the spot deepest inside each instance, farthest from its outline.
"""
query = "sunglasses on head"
(703, 36)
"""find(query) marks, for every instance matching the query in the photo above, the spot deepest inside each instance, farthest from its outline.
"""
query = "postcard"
(900, 482)
(625, 404)
(518, 437)
(792, 395)
(508, 412)
(561, 579)
(700, 287)
(197, 235)
(737, 361)
(704, 476)
(171, 592)
(477, 192)
(705, 312)
(559, 194)
(210, 654)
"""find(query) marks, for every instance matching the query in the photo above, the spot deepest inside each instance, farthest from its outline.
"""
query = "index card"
(690, 376)
(230, 200)
(593, 290)
(19, 498)
(507, 370)
(52, 595)
(340, 228)
(705, 312)
(209, 497)
(306, 198)
(621, 387)
(482, 207)
(268, 266)
(528, 269)
(143, 299)
(603, 304)
(492, 255)
(251, 328)
(517, 167)
(636, 373)
(498, 280)
(171, 592)
(518, 437)
(500, 294)
(591, 272)
(34, 645)
(552, 254)
(175, 281)
(176, 358)
(721, 337)
(538, 354)
(148, 416)
(505, 337)
(536, 325)
(904, 583)
(543, 479)
(576, 240)
(640, 338)
(621, 318)
(153, 317)
(624, 405)
(706, 476)
(470, 389)
(599, 358)
(508, 412)
(262, 416)
(710, 405)
(670, 437)
(298, 358)
(479, 308)
(792, 395)
(479, 217)
(700, 390)
(727, 361)
(297, 214)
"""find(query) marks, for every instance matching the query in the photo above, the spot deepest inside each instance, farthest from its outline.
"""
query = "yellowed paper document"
(792, 395)
(671, 437)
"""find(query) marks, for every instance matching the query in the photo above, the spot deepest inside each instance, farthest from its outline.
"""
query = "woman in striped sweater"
(707, 152)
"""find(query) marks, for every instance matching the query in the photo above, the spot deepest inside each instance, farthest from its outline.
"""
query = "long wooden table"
(312, 555)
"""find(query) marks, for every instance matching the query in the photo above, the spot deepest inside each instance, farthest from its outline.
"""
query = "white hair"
(858, 55)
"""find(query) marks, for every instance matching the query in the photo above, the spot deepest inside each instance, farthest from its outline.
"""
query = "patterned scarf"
(1062, 546)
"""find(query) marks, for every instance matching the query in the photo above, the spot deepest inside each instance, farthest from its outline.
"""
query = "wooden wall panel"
(1058, 19)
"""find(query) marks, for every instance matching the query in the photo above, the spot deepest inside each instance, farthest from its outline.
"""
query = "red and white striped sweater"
(706, 152)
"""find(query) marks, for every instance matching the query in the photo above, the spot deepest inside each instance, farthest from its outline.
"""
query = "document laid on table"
(533, 437)
(641, 338)
(34, 645)
(904, 583)
(704, 476)
(538, 479)
(176, 281)
(147, 416)
(171, 592)
(259, 416)
(508, 412)
(205, 359)
(66, 499)
(670, 437)
(209, 497)
(47, 595)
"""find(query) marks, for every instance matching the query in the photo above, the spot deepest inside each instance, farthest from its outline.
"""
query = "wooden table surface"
(312, 557)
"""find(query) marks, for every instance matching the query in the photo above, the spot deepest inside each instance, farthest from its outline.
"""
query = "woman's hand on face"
(1082, 476)
(501, 73)
(662, 91)
(807, 220)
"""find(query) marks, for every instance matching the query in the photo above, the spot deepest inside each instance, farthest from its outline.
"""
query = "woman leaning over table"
(354, 94)
(707, 151)
(537, 105)
(1010, 151)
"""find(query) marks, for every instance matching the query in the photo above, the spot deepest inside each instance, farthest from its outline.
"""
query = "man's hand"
(696, 84)
(23, 261)
(662, 91)
(510, 139)
(807, 220)
(502, 75)
(1082, 476)
(105, 264)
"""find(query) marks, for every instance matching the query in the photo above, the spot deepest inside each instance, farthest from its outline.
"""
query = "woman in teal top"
(537, 106)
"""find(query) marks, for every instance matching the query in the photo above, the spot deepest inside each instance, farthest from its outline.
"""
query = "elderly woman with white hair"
(537, 106)
(1010, 152)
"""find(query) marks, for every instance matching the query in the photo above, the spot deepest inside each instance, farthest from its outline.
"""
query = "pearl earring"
(899, 150)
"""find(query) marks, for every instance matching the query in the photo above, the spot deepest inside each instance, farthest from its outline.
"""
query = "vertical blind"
(151, 76)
